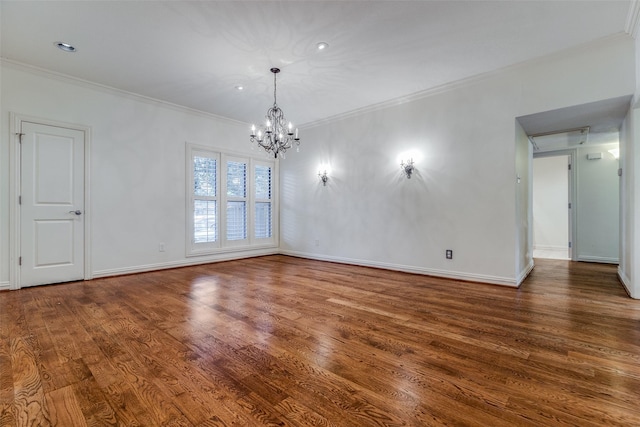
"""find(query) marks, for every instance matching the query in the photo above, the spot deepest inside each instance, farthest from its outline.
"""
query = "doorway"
(50, 222)
(552, 203)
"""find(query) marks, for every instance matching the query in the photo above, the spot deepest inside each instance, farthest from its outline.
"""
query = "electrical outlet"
(448, 254)
(160, 247)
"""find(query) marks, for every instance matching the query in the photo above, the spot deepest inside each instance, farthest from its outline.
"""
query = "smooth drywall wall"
(550, 204)
(463, 194)
(578, 76)
(598, 202)
(137, 165)
(370, 213)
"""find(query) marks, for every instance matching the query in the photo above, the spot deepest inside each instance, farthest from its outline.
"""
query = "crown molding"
(65, 78)
(633, 19)
(466, 82)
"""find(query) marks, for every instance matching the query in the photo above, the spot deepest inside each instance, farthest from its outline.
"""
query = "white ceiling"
(194, 53)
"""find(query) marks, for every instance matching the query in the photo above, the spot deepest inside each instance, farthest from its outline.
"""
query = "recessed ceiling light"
(65, 46)
(322, 45)
(239, 87)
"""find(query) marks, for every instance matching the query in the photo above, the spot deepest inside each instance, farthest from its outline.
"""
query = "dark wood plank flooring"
(285, 341)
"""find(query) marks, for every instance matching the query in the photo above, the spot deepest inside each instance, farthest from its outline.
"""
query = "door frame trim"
(572, 196)
(15, 124)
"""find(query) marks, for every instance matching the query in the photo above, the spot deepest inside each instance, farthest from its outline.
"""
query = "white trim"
(446, 274)
(458, 84)
(185, 263)
(222, 245)
(205, 248)
(88, 273)
(600, 259)
(632, 26)
(550, 248)
(14, 209)
(5, 286)
(553, 252)
(111, 90)
(626, 282)
(225, 199)
(275, 191)
(229, 249)
(573, 195)
(525, 273)
(15, 124)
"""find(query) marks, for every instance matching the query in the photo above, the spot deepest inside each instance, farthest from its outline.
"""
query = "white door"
(52, 204)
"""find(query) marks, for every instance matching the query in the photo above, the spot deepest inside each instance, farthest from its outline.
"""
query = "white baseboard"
(182, 263)
(5, 286)
(626, 282)
(549, 248)
(602, 260)
(551, 252)
(525, 272)
(470, 277)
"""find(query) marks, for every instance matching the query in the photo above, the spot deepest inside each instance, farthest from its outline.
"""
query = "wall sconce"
(323, 177)
(407, 167)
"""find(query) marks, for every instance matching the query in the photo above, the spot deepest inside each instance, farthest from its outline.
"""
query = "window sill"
(243, 248)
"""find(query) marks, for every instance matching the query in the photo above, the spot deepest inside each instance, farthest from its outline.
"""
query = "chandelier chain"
(274, 89)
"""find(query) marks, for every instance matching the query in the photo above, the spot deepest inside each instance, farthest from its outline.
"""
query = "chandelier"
(276, 136)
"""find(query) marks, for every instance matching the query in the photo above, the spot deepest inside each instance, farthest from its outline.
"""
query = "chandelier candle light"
(407, 167)
(275, 136)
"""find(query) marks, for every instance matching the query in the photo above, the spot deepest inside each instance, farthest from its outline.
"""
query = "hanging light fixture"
(276, 136)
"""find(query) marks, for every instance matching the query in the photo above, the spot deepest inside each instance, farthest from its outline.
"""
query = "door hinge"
(19, 200)
(20, 135)
(569, 205)
(569, 166)
(19, 260)
(569, 245)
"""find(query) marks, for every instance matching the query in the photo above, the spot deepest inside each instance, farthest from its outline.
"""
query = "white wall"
(371, 214)
(462, 197)
(550, 204)
(598, 203)
(464, 193)
(137, 166)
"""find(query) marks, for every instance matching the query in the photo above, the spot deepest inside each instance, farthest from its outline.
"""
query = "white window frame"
(203, 247)
(222, 244)
(223, 191)
(255, 200)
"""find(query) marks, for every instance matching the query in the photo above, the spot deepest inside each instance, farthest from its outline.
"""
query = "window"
(204, 199)
(236, 200)
(230, 203)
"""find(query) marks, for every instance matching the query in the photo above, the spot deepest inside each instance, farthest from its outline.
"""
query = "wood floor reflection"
(285, 341)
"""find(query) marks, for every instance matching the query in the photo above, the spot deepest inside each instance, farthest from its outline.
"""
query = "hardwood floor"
(285, 341)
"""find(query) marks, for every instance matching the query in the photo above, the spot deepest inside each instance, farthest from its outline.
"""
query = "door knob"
(77, 212)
